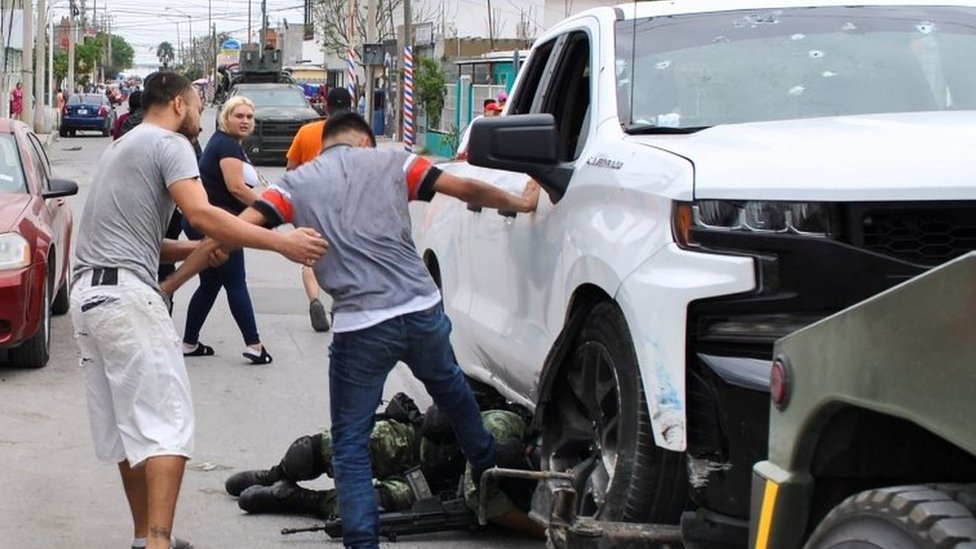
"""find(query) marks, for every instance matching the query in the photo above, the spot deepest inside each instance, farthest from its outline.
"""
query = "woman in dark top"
(229, 178)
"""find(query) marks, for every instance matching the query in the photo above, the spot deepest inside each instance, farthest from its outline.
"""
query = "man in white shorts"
(138, 393)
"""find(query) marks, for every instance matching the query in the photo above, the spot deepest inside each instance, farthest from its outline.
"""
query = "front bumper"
(18, 314)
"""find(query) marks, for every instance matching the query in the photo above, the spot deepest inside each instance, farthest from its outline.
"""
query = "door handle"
(473, 208)
(508, 213)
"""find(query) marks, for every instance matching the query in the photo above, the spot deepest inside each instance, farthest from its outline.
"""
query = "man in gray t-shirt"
(137, 389)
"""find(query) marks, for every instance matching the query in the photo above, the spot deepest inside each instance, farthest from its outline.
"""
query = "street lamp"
(193, 51)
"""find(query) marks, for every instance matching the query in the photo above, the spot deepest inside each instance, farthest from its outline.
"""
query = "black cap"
(338, 98)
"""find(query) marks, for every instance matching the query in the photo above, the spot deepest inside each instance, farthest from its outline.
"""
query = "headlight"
(812, 219)
(14, 251)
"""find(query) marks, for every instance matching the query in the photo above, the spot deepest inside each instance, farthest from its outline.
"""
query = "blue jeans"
(232, 277)
(359, 363)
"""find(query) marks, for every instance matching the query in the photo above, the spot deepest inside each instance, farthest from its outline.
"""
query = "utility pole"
(39, 113)
(27, 75)
(71, 51)
(109, 60)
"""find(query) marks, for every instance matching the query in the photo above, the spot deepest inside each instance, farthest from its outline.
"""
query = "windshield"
(277, 97)
(11, 173)
(699, 70)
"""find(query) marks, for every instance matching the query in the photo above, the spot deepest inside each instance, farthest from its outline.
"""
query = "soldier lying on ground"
(402, 438)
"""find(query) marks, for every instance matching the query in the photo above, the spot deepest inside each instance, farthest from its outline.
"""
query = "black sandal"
(263, 358)
(201, 350)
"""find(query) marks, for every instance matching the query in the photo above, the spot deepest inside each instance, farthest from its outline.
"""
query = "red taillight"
(779, 382)
(103, 111)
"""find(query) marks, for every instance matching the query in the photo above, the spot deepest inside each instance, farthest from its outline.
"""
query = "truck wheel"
(34, 352)
(909, 517)
(597, 426)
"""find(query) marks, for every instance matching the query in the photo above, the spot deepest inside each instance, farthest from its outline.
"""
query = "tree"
(60, 68)
(165, 53)
(429, 89)
(88, 55)
(122, 55)
(331, 22)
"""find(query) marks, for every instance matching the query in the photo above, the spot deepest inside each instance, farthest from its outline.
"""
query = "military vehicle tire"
(910, 517)
(597, 423)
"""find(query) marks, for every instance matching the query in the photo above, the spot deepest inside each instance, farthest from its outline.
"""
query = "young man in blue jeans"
(386, 306)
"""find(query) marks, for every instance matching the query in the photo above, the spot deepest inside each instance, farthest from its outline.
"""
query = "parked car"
(717, 175)
(87, 111)
(279, 110)
(35, 244)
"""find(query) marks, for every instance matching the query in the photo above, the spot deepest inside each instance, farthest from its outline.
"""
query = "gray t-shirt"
(129, 206)
(357, 198)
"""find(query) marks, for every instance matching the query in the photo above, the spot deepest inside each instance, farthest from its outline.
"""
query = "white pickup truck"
(717, 174)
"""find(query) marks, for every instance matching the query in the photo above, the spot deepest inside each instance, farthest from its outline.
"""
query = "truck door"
(514, 272)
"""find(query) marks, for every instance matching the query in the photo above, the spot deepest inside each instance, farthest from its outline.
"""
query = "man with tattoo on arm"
(136, 384)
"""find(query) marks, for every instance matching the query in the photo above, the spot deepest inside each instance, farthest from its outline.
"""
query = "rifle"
(431, 514)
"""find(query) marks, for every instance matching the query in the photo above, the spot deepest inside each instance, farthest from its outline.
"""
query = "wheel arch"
(851, 448)
(582, 301)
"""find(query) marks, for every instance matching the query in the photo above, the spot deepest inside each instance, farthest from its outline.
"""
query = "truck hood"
(915, 156)
(11, 210)
(285, 113)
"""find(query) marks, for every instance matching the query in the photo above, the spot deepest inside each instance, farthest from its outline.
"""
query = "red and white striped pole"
(408, 98)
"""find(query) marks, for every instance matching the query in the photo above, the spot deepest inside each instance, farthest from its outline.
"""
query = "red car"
(35, 240)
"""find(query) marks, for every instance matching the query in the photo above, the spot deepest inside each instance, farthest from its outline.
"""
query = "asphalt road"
(54, 493)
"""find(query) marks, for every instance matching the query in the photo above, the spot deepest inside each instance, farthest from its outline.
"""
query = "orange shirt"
(307, 143)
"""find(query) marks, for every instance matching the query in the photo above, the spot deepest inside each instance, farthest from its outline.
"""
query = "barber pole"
(408, 98)
(352, 57)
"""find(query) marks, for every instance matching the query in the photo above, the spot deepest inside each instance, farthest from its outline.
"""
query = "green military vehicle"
(872, 440)
(280, 105)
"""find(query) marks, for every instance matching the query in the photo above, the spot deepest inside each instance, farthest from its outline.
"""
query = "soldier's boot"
(283, 497)
(238, 482)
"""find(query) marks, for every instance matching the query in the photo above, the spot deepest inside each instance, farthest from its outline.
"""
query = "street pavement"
(54, 493)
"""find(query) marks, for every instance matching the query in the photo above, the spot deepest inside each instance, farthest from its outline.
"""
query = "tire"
(63, 132)
(73, 132)
(106, 131)
(35, 352)
(909, 517)
(597, 423)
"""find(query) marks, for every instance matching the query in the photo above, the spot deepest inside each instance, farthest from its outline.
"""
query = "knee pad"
(303, 460)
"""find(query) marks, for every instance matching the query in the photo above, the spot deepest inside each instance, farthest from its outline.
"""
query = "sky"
(145, 24)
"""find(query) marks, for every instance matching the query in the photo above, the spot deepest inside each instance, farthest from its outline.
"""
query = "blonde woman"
(229, 178)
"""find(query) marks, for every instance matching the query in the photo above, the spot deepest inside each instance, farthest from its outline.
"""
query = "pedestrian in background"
(17, 102)
(229, 179)
(135, 104)
(305, 147)
(138, 393)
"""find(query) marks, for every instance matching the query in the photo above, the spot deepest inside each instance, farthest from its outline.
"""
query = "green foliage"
(60, 66)
(87, 55)
(429, 82)
(122, 55)
(165, 53)
(193, 73)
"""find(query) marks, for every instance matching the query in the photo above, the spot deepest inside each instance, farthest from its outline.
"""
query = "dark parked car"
(279, 110)
(35, 239)
(87, 111)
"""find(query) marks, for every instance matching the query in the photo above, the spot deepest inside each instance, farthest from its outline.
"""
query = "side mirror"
(521, 143)
(60, 187)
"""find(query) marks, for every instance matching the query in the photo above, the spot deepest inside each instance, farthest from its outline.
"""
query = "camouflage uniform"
(506, 427)
(394, 447)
